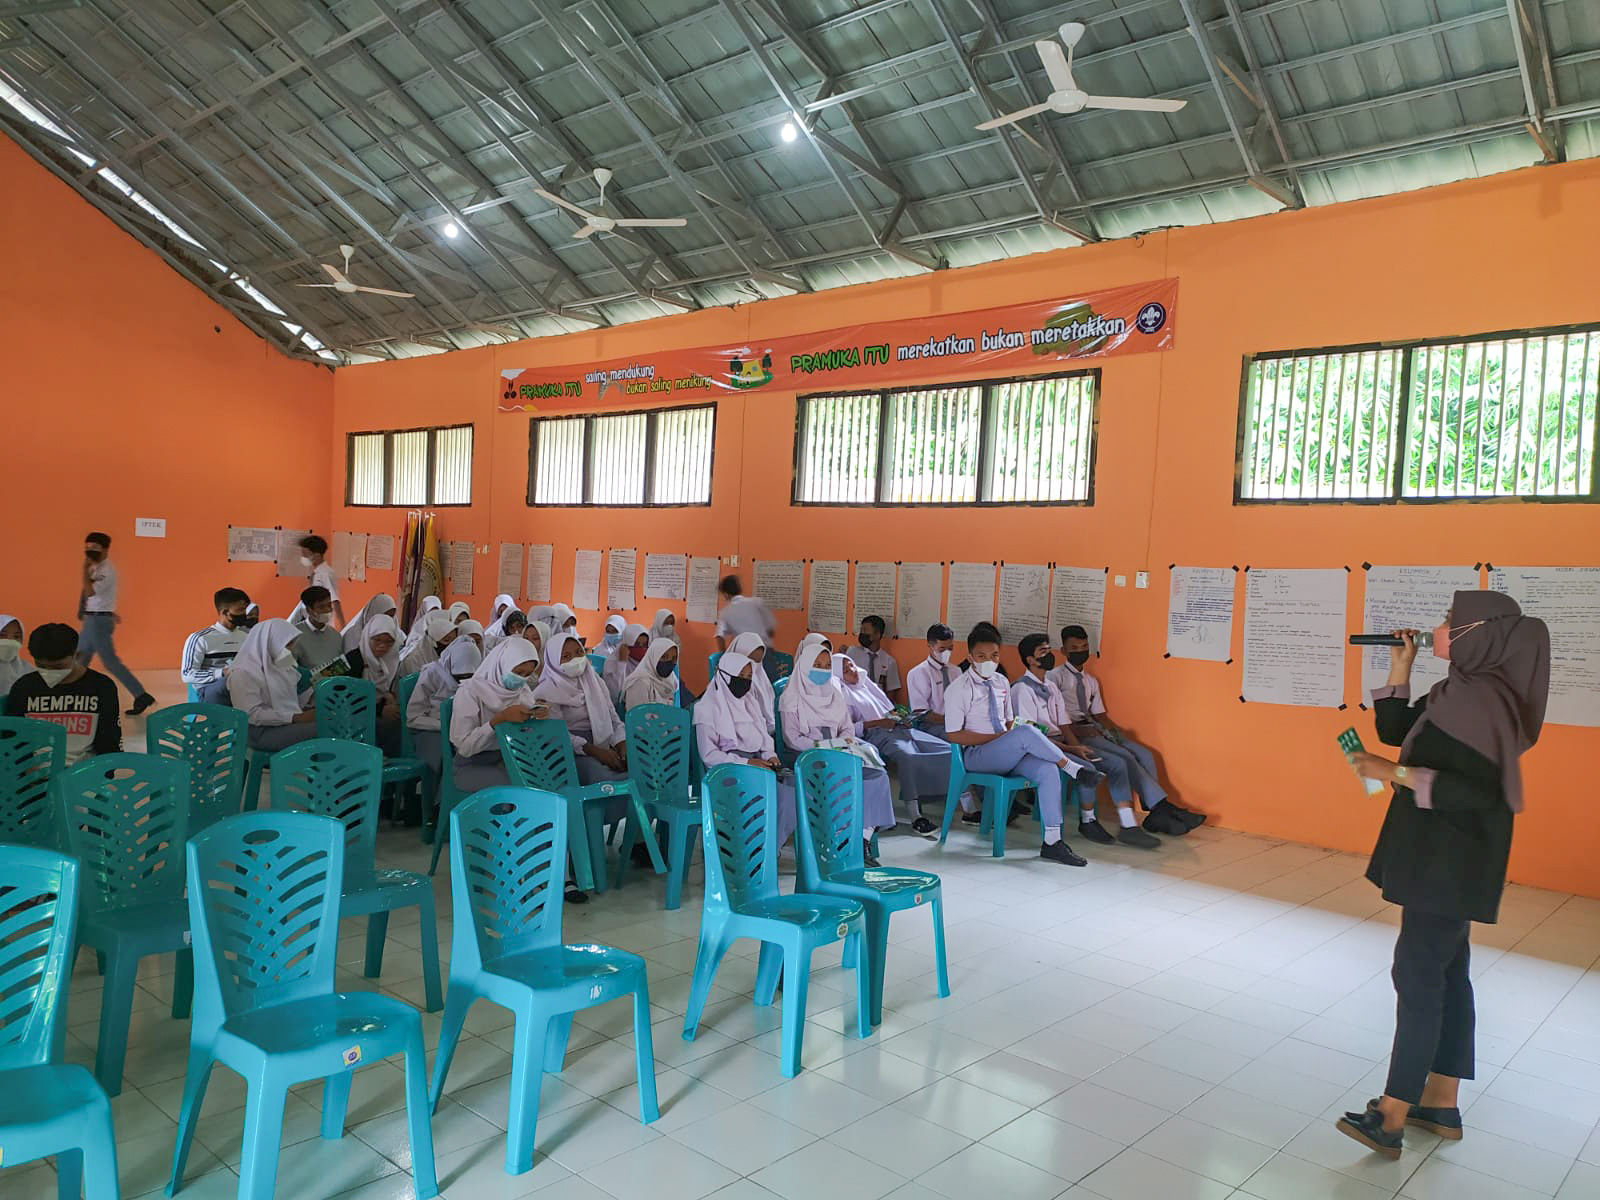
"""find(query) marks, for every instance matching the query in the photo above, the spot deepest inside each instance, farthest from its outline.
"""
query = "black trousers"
(1434, 1017)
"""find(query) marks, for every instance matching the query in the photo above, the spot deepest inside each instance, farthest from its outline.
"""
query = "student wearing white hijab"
(665, 625)
(730, 726)
(814, 709)
(631, 649)
(510, 623)
(429, 604)
(433, 634)
(752, 647)
(543, 612)
(471, 629)
(437, 683)
(564, 620)
(12, 665)
(921, 761)
(381, 605)
(576, 696)
(459, 612)
(655, 681)
(499, 692)
(812, 639)
(264, 683)
(503, 603)
(615, 624)
(538, 633)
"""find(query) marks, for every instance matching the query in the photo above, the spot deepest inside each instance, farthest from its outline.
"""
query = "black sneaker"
(1095, 832)
(923, 826)
(867, 856)
(973, 817)
(1446, 1122)
(1367, 1128)
(142, 702)
(1189, 817)
(1161, 820)
(1134, 836)
(576, 895)
(1062, 853)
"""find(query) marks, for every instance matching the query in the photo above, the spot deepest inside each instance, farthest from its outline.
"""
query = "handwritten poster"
(380, 551)
(971, 596)
(1409, 598)
(508, 569)
(289, 553)
(460, 563)
(919, 598)
(349, 556)
(665, 576)
(781, 583)
(539, 561)
(586, 580)
(1024, 600)
(830, 579)
(1567, 599)
(249, 543)
(1294, 636)
(701, 603)
(1078, 597)
(874, 596)
(622, 593)
(1200, 613)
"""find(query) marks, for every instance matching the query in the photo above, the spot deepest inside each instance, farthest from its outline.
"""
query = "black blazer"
(1449, 860)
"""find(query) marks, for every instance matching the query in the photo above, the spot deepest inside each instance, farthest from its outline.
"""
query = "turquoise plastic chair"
(348, 708)
(264, 894)
(778, 665)
(660, 751)
(739, 836)
(212, 740)
(32, 753)
(507, 860)
(126, 818)
(829, 861)
(333, 777)
(996, 792)
(597, 661)
(538, 754)
(47, 1107)
(445, 794)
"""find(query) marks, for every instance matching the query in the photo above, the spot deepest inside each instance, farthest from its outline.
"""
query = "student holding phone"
(1442, 853)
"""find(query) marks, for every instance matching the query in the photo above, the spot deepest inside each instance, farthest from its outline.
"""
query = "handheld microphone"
(1424, 639)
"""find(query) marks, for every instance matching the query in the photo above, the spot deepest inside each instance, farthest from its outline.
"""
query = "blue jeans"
(97, 638)
(1023, 751)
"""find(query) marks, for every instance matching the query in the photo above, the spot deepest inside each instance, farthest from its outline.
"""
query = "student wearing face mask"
(730, 727)
(264, 684)
(1441, 855)
(665, 625)
(871, 658)
(97, 606)
(381, 605)
(655, 681)
(563, 620)
(926, 682)
(1036, 698)
(208, 652)
(752, 647)
(320, 647)
(978, 718)
(12, 665)
(576, 696)
(377, 660)
(314, 554)
(430, 637)
(631, 649)
(499, 692)
(1096, 730)
(615, 624)
(921, 761)
(62, 690)
(438, 682)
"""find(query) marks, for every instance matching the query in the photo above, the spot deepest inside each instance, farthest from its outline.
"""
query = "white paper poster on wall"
(586, 580)
(830, 579)
(621, 581)
(1294, 636)
(1024, 600)
(539, 562)
(508, 569)
(250, 543)
(781, 583)
(919, 598)
(665, 576)
(380, 551)
(874, 595)
(1567, 599)
(1078, 597)
(971, 596)
(1200, 613)
(1409, 598)
(701, 603)
(289, 565)
(462, 562)
(348, 556)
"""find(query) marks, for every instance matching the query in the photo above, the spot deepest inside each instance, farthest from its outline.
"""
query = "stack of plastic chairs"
(213, 740)
(660, 756)
(32, 753)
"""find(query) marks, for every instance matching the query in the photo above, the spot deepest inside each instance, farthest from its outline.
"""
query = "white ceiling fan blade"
(1134, 103)
(652, 222)
(584, 231)
(317, 285)
(1011, 118)
(334, 272)
(560, 203)
(1056, 66)
(385, 292)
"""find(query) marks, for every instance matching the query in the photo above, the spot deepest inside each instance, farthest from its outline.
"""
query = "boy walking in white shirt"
(314, 554)
(97, 606)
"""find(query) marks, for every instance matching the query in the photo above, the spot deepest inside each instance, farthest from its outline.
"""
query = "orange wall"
(128, 393)
(1515, 251)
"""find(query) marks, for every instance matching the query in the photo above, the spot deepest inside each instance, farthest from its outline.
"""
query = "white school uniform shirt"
(322, 576)
(1066, 678)
(1050, 709)
(102, 597)
(966, 704)
(925, 685)
(879, 666)
(745, 614)
(207, 653)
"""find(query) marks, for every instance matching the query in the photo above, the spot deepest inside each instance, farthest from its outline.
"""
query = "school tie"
(994, 706)
(872, 665)
(944, 675)
(1083, 696)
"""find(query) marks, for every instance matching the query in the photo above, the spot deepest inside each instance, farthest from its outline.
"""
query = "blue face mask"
(819, 675)
(610, 640)
(512, 681)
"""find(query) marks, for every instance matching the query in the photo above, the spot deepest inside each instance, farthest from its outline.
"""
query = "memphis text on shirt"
(75, 713)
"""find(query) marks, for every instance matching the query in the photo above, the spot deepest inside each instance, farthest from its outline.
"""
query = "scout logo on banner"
(1011, 338)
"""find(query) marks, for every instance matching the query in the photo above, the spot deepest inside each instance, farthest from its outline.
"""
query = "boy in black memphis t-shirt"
(65, 692)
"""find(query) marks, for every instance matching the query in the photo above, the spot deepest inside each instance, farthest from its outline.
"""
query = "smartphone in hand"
(1350, 743)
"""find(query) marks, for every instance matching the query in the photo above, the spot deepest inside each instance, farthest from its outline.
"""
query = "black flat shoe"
(973, 817)
(923, 826)
(1161, 821)
(1060, 852)
(576, 895)
(144, 701)
(1367, 1128)
(1096, 832)
(1138, 838)
(867, 856)
(1446, 1122)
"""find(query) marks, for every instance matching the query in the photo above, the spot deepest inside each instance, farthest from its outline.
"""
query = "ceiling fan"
(599, 223)
(341, 281)
(1065, 95)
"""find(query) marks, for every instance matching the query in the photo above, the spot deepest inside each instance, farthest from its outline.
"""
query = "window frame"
(650, 415)
(985, 442)
(1402, 421)
(388, 436)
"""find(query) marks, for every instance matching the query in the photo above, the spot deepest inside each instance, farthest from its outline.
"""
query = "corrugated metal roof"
(270, 132)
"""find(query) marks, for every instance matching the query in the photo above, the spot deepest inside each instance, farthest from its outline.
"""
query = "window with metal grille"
(1009, 441)
(404, 468)
(1499, 415)
(654, 457)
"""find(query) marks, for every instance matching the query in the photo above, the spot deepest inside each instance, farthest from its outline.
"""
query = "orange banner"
(1014, 339)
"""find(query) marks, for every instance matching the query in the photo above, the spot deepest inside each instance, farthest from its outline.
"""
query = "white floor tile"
(826, 1169)
(983, 1170)
(743, 1138)
(1583, 1183)
(1205, 1150)
(1440, 1180)
(1108, 1113)
(1134, 1175)
(1286, 1177)
(1063, 1150)
(663, 1170)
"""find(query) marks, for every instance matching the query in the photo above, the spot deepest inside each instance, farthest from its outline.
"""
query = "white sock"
(1052, 834)
(1125, 815)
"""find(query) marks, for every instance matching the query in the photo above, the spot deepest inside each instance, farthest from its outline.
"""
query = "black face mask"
(244, 622)
(739, 686)
(868, 641)
(1046, 660)
(94, 555)
(664, 669)
(1078, 657)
